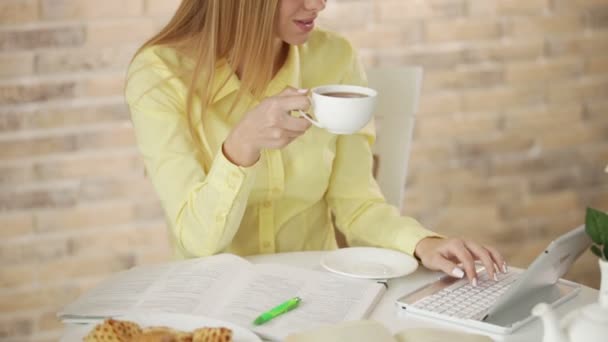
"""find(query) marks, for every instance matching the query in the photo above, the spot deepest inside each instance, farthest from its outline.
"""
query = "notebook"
(229, 288)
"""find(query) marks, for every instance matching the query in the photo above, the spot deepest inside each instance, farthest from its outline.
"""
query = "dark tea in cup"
(344, 94)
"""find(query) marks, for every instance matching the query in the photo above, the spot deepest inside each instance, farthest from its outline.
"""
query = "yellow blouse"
(282, 203)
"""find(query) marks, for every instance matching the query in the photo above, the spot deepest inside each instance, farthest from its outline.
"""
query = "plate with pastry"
(161, 327)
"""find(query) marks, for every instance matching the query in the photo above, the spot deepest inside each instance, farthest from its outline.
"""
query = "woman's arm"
(361, 211)
(365, 218)
(204, 209)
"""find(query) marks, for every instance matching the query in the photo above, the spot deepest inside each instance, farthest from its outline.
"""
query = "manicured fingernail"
(495, 277)
(302, 91)
(505, 269)
(474, 282)
(457, 272)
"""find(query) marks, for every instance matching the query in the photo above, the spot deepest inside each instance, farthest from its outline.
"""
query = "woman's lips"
(305, 25)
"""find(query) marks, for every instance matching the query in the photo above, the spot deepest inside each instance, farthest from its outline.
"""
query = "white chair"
(398, 96)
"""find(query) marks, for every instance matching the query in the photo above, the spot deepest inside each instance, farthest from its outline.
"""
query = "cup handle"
(309, 118)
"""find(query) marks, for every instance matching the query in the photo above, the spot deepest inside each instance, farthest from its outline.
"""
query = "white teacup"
(341, 109)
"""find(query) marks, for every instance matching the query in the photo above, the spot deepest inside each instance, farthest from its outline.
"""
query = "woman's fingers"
(483, 255)
(269, 124)
(499, 260)
(456, 257)
(298, 125)
(460, 251)
(293, 102)
(291, 91)
(448, 267)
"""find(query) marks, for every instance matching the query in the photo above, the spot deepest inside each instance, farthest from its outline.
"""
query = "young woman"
(211, 97)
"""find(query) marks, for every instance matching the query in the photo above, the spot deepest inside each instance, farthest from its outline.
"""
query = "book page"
(179, 287)
(116, 295)
(326, 299)
(193, 286)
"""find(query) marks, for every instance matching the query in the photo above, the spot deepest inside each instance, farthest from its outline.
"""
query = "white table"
(386, 310)
(388, 314)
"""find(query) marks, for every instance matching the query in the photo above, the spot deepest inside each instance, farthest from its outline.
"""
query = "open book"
(229, 288)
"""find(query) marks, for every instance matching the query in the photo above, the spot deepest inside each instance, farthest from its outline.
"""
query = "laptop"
(502, 306)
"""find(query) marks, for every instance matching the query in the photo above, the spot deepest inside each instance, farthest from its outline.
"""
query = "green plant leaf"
(596, 250)
(596, 226)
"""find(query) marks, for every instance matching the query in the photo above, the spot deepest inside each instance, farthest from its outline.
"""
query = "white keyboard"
(462, 300)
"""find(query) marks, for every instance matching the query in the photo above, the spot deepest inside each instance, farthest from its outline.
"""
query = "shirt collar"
(226, 81)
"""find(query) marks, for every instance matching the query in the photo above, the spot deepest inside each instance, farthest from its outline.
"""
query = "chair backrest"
(398, 94)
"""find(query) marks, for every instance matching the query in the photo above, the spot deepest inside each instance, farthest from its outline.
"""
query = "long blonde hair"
(238, 32)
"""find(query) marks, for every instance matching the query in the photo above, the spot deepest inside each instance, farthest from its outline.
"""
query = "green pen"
(278, 310)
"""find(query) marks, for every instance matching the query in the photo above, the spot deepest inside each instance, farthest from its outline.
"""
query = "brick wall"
(510, 143)
(512, 135)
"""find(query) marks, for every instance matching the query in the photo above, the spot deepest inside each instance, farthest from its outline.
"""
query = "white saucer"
(369, 263)
(171, 320)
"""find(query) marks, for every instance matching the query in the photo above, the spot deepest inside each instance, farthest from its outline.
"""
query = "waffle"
(112, 330)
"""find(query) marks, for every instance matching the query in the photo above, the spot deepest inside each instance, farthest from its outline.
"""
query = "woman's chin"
(297, 39)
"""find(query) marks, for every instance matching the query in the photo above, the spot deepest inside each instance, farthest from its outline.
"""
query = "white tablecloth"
(386, 310)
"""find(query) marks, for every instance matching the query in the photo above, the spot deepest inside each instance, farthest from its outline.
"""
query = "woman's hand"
(268, 125)
(445, 255)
